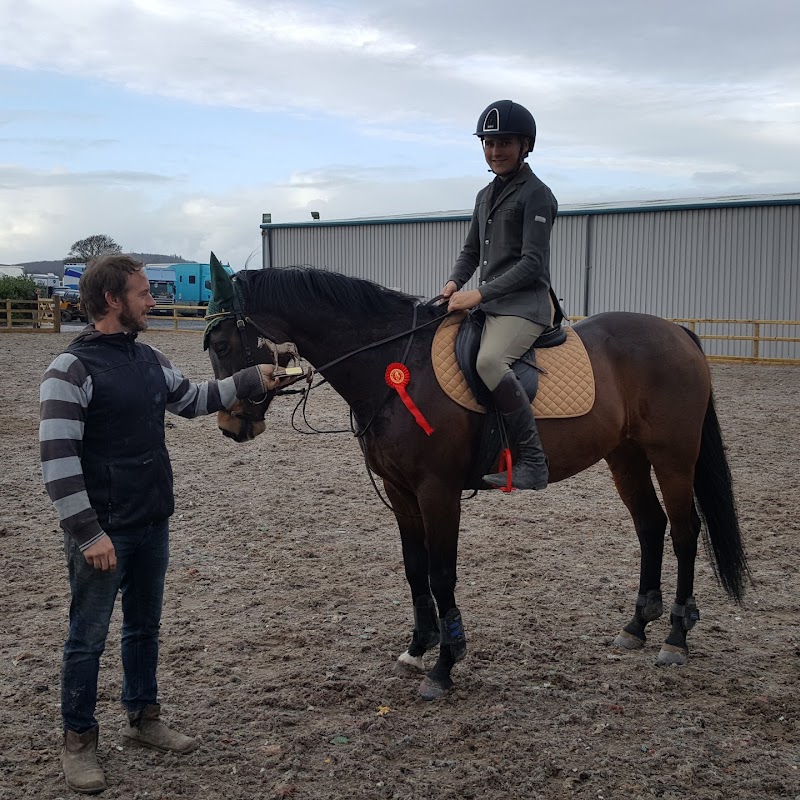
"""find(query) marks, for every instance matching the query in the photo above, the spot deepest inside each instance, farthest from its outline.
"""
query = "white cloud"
(367, 108)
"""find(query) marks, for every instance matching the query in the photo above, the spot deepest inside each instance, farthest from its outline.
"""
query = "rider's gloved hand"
(254, 382)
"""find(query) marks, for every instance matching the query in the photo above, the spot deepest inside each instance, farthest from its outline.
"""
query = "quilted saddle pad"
(566, 382)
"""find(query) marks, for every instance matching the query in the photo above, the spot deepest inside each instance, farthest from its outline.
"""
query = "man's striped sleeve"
(189, 399)
(64, 396)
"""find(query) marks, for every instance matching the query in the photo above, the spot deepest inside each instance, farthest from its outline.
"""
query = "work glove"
(254, 382)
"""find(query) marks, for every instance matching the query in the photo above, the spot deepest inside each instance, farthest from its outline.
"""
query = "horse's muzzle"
(239, 427)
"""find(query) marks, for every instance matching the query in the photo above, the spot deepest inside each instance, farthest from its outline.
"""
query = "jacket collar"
(511, 185)
(91, 334)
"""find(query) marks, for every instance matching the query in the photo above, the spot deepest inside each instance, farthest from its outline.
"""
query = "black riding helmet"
(506, 116)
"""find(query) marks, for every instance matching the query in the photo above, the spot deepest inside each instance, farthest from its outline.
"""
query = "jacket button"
(488, 222)
(486, 242)
(485, 263)
(483, 283)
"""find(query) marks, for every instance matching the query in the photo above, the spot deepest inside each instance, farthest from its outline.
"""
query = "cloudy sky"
(172, 126)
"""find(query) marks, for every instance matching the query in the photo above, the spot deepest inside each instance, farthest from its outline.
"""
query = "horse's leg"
(631, 470)
(677, 490)
(415, 559)
(441, 510)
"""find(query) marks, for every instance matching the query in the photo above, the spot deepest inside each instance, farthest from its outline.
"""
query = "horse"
(654, 410)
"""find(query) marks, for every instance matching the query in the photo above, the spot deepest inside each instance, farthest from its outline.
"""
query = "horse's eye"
(220, 348)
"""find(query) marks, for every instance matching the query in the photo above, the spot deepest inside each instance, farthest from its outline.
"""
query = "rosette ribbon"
(398, 377)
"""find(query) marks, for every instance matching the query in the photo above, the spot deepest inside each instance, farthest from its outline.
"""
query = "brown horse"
(654, 409)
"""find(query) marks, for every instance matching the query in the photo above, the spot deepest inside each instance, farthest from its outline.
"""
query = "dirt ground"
(286, 606)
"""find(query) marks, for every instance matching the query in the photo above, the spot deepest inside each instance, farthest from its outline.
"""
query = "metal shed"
(715, 258)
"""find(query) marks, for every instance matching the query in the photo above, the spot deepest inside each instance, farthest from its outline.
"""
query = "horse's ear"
(221, 286)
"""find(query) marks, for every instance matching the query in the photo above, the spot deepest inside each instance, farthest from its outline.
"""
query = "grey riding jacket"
(509, 242)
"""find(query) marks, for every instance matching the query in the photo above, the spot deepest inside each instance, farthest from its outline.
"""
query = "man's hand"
(267, 380)
(463, 301)
(101, 555)
(255, 382)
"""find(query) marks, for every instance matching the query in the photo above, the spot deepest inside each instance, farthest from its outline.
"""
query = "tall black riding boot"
(530, 468)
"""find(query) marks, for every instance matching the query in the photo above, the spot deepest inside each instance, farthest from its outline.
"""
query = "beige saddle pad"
(566, 387)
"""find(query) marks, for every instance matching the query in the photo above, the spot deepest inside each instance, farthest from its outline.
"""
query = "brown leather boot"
(79, 762)
(147, 729)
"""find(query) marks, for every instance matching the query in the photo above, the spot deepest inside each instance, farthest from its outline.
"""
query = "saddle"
(556, 372)
(563, 371)
(468, 341)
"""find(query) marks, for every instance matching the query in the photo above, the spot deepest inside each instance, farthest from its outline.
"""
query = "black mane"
(304, 287)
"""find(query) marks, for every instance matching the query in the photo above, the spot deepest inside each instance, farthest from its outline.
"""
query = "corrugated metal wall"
(714, 262)
(413, 257)
(568, 262)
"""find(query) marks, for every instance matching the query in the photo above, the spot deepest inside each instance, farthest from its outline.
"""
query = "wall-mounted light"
(266, 219)
(315, 215)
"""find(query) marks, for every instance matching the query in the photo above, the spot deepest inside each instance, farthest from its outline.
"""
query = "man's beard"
(131, 321)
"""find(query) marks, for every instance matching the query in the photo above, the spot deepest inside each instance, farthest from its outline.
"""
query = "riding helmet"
(506, 116)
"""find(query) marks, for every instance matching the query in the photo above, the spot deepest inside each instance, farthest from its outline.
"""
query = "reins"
(289, 348)
(411, 331)
(242, 320)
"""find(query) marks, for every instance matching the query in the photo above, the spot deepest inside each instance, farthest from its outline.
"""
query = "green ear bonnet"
(224, 296)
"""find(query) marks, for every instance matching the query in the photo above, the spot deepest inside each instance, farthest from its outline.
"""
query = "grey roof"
(568, 209)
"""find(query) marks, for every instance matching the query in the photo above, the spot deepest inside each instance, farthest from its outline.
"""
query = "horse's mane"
(280, 288)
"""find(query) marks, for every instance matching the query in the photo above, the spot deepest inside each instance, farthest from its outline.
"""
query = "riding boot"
(530, 468)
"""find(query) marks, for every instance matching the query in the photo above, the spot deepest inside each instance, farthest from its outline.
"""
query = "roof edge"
(567, 210)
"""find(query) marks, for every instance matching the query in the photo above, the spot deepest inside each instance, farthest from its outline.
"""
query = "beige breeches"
(503, 341)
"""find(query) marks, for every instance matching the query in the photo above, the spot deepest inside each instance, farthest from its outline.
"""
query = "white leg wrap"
(412, 661)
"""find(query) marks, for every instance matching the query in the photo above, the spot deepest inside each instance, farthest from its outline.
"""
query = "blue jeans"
(142, 558)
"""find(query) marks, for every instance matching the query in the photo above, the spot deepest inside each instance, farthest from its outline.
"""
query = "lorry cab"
(162, 285)
(193, 286)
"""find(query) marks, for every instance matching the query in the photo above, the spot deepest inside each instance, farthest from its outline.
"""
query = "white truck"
(47, 280)
(162, 285)
(72, 274)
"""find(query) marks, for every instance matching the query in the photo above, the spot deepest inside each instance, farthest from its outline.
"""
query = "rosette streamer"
(398, 377)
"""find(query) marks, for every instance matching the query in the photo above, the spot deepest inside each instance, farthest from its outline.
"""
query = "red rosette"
(398, 376)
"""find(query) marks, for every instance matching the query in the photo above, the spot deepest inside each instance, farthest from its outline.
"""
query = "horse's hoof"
(670, 654)
(430, 690)
(627, 641)
(408, 666)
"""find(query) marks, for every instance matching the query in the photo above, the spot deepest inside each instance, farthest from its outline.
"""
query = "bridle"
(277, 349)
(290, 348)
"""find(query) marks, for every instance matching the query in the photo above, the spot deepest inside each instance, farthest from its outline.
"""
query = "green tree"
(17, 289)
(84, 250)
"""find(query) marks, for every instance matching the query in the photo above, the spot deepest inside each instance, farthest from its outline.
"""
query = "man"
(106, 468)
(509, 240)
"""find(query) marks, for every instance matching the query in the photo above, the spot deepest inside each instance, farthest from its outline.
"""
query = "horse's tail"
(713, 489)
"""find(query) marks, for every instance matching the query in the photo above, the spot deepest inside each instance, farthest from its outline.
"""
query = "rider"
(509, 240)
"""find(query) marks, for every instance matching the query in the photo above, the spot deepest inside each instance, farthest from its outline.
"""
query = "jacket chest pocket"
(505, 232)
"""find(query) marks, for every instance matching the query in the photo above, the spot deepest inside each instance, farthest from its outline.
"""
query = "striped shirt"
(65, 396)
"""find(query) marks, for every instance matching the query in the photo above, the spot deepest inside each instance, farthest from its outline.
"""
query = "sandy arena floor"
(287, 605)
